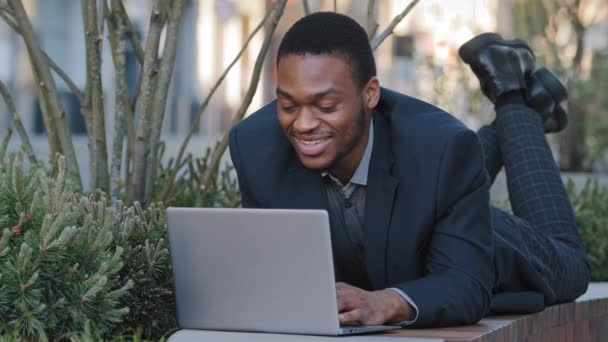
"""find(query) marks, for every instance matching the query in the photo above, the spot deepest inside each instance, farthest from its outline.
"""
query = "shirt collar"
(361, 172)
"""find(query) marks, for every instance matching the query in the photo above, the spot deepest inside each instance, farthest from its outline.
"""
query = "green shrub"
(590, 206)
(591, 209)
(59, 265)
(185, 191)
(66, 259)
(143, 236)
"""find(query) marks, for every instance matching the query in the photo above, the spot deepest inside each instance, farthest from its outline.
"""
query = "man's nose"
(306, 121)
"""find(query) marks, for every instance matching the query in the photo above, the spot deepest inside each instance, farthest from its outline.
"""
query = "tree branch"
(139, 52)
(10, 22)
(306, 7)
(389, 30)
(162, 87)
(93, 39)
(144, 101)
(117, 30)
(372, 24)
(208, 175)
(7, 15)
(100, 10)
(4, 144)
(55, 111)
(68, 81)
(173, 173)
(10, 105)
(4, 8)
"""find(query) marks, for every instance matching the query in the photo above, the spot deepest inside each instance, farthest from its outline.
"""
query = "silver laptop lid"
(253, 270)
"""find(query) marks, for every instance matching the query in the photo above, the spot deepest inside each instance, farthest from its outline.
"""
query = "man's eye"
(328, 109)
(288, 109)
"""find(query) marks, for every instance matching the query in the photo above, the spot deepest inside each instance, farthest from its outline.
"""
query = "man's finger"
(351, 317)
(350, 300)
(342, 286)
(344, 292)
(345, 303)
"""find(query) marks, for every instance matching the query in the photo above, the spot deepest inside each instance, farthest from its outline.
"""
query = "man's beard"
(359, 134)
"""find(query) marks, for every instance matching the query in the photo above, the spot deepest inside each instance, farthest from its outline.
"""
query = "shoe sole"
(469, 50)
(560, 121)
(552, 83)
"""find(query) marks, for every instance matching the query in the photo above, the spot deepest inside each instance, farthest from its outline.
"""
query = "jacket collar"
(301, 188)
(380, 193)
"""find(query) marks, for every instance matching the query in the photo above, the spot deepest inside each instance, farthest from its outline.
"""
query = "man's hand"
(357, 306)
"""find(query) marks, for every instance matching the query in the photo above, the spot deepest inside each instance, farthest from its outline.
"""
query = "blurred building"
(213, 32)
(423, 48)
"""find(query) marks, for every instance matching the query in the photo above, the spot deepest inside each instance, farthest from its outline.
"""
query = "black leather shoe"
(545, 93)
(500, 65)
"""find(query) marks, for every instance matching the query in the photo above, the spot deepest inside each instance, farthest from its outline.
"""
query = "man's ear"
(371, 93)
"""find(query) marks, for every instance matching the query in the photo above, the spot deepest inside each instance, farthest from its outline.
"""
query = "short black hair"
(331, 33)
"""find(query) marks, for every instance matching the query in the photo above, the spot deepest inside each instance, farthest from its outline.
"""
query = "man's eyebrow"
(281, 92)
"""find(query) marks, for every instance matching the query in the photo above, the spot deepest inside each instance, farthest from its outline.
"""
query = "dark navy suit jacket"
(428, 225)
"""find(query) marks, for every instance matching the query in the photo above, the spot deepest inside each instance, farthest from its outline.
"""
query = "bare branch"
(54, 143)
(208, 175)
(389, 30)
(306, 7)
(372, 24)
(73, 87)
(205, 103)
(100, 9)
(139, 52)
(4, 8)
(144, 101)
(18, 124)
(7, 15)
(97, 137)
(4, 144)
(117, 30)
(118, 34)
(53, 109)
(10, 22)
(162, 88)
(130, 121)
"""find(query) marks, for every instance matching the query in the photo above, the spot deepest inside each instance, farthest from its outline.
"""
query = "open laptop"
(261, 270)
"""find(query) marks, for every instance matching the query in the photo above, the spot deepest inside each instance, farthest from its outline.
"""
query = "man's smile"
(311, 147)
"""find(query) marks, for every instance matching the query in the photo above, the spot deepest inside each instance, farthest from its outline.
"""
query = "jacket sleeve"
(247, 198)
(459, 266)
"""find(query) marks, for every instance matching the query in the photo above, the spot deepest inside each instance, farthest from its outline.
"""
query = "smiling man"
(406, 185)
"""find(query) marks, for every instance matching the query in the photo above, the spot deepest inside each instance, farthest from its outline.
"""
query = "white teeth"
(312, 142)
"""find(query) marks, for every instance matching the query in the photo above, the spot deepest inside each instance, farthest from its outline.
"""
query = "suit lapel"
(380, 193)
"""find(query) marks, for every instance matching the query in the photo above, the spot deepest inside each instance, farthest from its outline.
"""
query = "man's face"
(323, 112)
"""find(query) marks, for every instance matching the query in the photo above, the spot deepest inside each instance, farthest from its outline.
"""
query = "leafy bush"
(60, 266)
(591, 209)
(143, 236)
(185, 191)
(66, 259)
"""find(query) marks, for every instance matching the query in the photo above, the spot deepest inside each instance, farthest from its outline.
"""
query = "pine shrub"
(591, 209)
(59, 266)
(68, 259)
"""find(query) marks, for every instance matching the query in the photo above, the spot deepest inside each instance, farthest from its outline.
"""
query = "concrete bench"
(584, 320)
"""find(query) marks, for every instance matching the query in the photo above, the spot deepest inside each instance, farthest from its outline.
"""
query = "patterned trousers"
(542, 227)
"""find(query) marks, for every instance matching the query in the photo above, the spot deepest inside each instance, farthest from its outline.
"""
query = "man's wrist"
(397, 309)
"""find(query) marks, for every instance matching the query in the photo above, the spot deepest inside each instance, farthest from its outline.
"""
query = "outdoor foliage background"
(89, 265)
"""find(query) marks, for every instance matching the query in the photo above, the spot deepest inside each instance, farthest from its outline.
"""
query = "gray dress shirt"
(346, 212)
